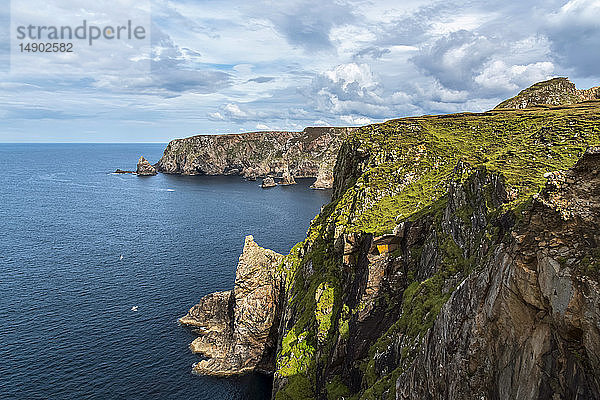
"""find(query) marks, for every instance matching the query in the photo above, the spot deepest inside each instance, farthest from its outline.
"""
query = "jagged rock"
(120, 171)
(554, 92)
(287, 178)
(235, 327)
(268, 182)
(144, 168)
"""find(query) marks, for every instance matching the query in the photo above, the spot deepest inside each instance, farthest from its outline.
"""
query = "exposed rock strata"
(235, 327)
(528, 325)
(310, 153)
(144, 168)
(554, 92)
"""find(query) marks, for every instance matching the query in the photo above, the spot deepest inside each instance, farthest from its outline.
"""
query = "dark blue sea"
(67, 329)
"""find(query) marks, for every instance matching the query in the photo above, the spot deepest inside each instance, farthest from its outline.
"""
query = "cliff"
(458, 258)
(310, 153)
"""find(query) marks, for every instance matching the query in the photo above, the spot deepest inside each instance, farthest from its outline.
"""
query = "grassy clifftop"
(353, 316)
(403, 166)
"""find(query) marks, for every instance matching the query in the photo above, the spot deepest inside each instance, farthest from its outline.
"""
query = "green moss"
(406, 174)
(296, 354)
(385, 386)
(324, 297)
(421, 153)
(298, 387)
(590, 264)
(344, 321)
(337, 390)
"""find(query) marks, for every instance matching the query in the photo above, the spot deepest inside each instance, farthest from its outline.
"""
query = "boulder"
(268, 182)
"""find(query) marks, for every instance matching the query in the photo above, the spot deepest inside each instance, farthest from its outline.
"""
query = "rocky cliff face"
(310, 153)
(235, 327)
(458, 258)
(554, 92)
(526, 325)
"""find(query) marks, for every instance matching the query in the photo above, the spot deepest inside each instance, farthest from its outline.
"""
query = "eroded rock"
(144, 168)
(235, 327)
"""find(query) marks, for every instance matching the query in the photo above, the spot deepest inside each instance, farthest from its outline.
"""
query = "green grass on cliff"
(412, 159)
(405, 175)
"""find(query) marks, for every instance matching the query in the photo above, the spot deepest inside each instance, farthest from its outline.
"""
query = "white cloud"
(497, 75)
(352, 120)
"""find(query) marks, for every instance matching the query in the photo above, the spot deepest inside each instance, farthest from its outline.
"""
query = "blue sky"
(232, 66)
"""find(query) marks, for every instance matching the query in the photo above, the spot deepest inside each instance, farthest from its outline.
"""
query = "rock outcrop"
(310, 153)
(236, 327)
(459, 258)
(287, 178)
(144, 168)
(554, 92)
(268, 182)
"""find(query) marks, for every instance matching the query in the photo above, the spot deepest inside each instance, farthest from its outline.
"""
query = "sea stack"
(287, 178)
(144, 168)
(235, 327)
(268, 182)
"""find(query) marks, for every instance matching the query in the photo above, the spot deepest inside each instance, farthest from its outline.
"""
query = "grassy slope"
(406, 175)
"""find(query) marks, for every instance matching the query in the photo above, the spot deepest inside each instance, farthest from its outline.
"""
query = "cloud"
(261, 79)
(348, 89)
(500, 77)
(233, 112)
(307, 23)
(373, 52)
(352, 120)
(455, 58)
(229, 66)
(574, 32)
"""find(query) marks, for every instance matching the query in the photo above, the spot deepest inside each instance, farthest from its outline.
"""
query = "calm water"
(66, 326)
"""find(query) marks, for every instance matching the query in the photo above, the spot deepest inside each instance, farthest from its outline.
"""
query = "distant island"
(459, 257)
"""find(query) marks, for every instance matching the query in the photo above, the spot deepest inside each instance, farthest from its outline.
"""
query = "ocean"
(67, 327)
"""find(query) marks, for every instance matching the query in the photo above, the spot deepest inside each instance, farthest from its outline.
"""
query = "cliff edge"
(306, 154)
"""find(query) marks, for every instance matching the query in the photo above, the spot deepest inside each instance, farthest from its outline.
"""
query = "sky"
(210, 67)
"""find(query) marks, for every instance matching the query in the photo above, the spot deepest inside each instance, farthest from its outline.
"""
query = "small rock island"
(144, 168)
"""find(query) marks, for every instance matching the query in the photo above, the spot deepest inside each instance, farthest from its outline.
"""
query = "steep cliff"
(310, 153)
(448, 276)
(458, 258)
